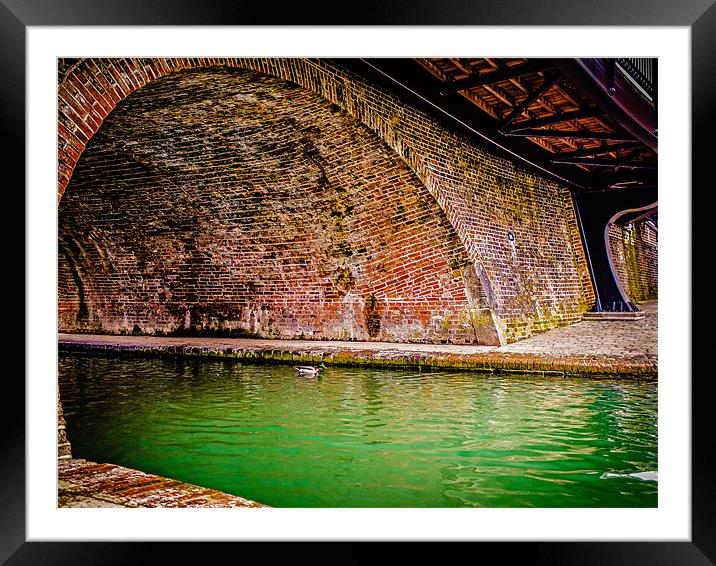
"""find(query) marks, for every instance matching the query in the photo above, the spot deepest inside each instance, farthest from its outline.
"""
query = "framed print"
(332, 106)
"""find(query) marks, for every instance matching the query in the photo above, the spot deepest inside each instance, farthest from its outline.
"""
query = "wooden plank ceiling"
(529, 98)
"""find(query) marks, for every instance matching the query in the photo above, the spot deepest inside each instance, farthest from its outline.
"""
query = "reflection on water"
(367, 438)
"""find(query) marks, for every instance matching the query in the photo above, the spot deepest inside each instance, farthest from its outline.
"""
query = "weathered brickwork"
(512, 242)
(64, 449)
(82, 483)
(230, 202)
(634, 250)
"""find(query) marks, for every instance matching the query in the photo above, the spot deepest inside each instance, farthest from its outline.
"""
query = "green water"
(367, 438)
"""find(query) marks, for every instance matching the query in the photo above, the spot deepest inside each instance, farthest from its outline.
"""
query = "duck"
(310, 370)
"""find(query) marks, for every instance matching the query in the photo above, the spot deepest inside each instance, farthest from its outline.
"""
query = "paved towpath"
(626, 338)
(590, 347)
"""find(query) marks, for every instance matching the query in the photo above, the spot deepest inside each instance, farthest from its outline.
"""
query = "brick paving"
(82, 483)
(621, 338)
(591, 348)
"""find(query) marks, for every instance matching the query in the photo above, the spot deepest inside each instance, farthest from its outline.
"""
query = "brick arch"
(222, 200)
(540, 282)
(89, 89)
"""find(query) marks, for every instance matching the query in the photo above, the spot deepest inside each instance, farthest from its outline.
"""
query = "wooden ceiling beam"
(532, 66)
(499, 94)
(463, 67)
(513, 80)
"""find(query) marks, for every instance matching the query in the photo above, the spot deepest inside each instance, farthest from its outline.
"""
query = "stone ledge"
(370, 355)
(638, 315)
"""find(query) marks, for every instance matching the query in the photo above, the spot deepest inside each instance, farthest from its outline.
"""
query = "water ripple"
(368, 438)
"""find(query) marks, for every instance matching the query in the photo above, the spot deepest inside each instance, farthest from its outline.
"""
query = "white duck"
(311, 371)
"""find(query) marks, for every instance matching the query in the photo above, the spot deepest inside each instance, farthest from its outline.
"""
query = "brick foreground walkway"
(594, 348)
(87, 484)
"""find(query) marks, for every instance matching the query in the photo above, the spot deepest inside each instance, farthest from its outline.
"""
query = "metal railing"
(642, 71)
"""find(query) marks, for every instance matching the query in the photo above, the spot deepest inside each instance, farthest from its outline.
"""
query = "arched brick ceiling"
(227, 201)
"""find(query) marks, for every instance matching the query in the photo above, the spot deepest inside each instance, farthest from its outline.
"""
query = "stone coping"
(369, 354)
(604, 315)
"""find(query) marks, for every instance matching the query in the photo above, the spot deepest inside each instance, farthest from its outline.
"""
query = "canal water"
(367, 438)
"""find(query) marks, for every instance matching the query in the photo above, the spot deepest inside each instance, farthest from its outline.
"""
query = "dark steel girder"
(637, 152)
(602, 163)
(629, 176)
(549, 81)
(573, 134)
(550, 120)
(595, 211)
(600, 150)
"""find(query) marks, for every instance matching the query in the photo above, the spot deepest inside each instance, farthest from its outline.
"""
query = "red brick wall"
(634, 249)
(231, 202)
(536, 282)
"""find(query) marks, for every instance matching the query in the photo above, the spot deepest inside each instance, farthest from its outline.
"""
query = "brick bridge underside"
(290, 198)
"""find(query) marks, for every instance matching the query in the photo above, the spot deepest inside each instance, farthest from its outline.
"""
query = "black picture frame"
(17, 15)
